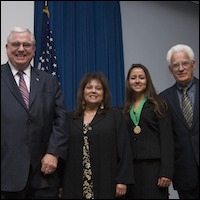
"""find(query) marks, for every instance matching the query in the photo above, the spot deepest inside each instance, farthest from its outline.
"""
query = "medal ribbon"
(136, 116)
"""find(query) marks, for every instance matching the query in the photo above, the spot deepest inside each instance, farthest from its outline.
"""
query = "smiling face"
(182, 67)
(20, 50)
(137, 80)
(93, 93)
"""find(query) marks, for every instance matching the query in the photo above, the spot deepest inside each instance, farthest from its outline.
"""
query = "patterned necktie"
(187, 107)
(23, 88)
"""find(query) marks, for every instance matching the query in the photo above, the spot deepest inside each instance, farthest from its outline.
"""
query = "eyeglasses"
(184, 64)
(16, 45)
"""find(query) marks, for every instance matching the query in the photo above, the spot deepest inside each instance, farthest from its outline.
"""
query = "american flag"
(48, 60)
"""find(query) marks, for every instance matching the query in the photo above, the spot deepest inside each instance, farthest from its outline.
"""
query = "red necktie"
(23, 88)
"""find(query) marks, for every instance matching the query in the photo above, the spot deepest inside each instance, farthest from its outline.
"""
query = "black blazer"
(110, 155)
(26, 135)
(186, 174)
(155, 140)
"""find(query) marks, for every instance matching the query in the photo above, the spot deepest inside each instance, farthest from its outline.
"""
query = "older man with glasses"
(33, 124)
(183, 100)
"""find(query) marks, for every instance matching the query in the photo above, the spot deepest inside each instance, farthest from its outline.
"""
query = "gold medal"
(137, 130)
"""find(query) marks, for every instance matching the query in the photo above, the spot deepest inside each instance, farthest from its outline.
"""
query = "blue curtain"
(88, 37)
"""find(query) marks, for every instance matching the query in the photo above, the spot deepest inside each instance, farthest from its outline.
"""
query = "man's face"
(182, 67)
(20, 50)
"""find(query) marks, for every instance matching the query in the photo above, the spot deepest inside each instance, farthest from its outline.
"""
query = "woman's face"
(137, 80)
(93, 93)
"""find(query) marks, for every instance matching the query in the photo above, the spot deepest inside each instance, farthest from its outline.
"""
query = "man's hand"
(49, 163)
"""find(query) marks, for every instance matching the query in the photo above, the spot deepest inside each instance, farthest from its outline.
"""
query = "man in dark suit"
(34, 136)
(181, 63)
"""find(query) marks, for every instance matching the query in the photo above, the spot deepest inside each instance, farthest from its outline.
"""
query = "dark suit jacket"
(155, 140)
(26, 135)
(186, 174)
(110, 156)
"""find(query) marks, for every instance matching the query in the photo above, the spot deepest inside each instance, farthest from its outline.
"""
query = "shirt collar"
(27, 71)
(180, 87)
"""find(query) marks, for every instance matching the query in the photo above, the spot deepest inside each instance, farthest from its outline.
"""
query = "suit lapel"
(196, 105)
(35, 81)
(176, 105)
(98, 117)
(12, 85)
(78, 122)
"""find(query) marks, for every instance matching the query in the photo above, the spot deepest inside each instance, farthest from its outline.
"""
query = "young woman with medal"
(151, 136)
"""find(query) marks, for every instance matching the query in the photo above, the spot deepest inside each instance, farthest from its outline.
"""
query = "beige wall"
(15, 13)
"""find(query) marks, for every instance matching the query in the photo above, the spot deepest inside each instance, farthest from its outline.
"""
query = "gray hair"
(178, 48)
(20, 30)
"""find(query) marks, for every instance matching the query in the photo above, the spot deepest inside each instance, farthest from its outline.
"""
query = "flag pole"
(47, 60)
(46, 10)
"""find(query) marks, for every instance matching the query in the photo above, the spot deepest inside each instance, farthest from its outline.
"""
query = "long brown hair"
(150, 93)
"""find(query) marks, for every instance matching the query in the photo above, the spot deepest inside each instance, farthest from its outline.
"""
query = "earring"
(102, 106)
(83, 104)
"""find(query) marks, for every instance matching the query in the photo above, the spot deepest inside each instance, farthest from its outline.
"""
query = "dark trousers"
(46, 193)
(30, 193)
(191, 194)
